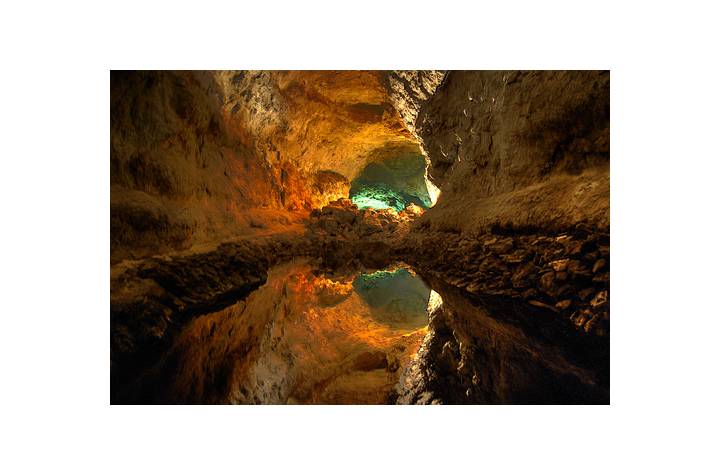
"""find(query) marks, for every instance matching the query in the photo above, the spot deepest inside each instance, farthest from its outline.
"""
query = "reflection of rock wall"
(301, 338)
(475, 353)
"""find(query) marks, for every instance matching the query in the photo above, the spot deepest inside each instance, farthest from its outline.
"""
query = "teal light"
(393, 183)
(395, 297)
(377, 196)
(363, 202)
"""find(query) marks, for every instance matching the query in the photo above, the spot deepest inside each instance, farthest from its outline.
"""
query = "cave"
(393, 183)
(359, 237)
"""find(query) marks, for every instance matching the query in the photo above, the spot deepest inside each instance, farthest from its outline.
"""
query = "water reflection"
(398, 298)
(356, 337)
(304, 337)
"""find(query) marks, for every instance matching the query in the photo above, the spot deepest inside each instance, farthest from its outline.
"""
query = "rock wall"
(519, 149)
(198, 157)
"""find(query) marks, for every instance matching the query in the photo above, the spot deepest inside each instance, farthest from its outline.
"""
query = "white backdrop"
(54, 239)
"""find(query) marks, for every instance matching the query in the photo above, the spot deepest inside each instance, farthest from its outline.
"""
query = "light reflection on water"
(307, 337)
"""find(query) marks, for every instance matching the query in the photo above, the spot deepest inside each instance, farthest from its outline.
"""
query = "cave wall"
(518, 149)
(198, 157)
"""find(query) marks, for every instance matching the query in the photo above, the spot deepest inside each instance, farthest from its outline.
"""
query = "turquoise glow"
(363, 202)
(395, 297)
(393, 183)
(379, 196)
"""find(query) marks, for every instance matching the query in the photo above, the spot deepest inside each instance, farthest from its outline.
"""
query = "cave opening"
(394, 182)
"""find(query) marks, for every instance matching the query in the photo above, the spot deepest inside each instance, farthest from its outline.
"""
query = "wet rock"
(599, 265)
(599, 299)
(560, 265)
(584, 294)
(537, 303)
(502, 246)
(529, 294)
(547, 281)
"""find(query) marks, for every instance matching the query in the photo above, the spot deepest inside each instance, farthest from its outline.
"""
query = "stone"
(529, 294)
(563, 304)
(560, 265)
(472, 288)
(502, 247)
(537, 303)
(599, 265)
(584, 294)
(599, 299)
(547, 281)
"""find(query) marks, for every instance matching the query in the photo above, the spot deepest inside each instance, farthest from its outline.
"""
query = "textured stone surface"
(519, 149)
(199, 157)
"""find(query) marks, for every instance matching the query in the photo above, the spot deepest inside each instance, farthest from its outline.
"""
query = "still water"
(313, 336)
(306, 336)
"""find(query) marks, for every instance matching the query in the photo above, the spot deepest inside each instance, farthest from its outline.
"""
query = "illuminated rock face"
(198, 157)
(519, 149)
(392, 183)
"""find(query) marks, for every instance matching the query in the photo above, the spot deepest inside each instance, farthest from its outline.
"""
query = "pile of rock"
(342, 218)
(567, 274)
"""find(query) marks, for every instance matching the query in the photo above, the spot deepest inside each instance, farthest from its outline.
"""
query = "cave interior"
(360, 237)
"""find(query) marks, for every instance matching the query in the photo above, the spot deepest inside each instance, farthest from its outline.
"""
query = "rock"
(414, 210)
(537, 303)
(579, 318)
(585, 293)
(473, 288)
(521, 275)
(502, 247)
(599, 265)
(547, 281)
(588, 327)
(529, 294)
(599, 299)
(559, 265)
(563, 304)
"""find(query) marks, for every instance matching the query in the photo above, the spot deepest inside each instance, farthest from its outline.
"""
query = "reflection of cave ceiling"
(396, 297)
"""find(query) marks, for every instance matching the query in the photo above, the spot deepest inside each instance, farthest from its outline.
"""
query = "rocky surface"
(410, 90)
(199, 157)
(516, 148)
(566, 275)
